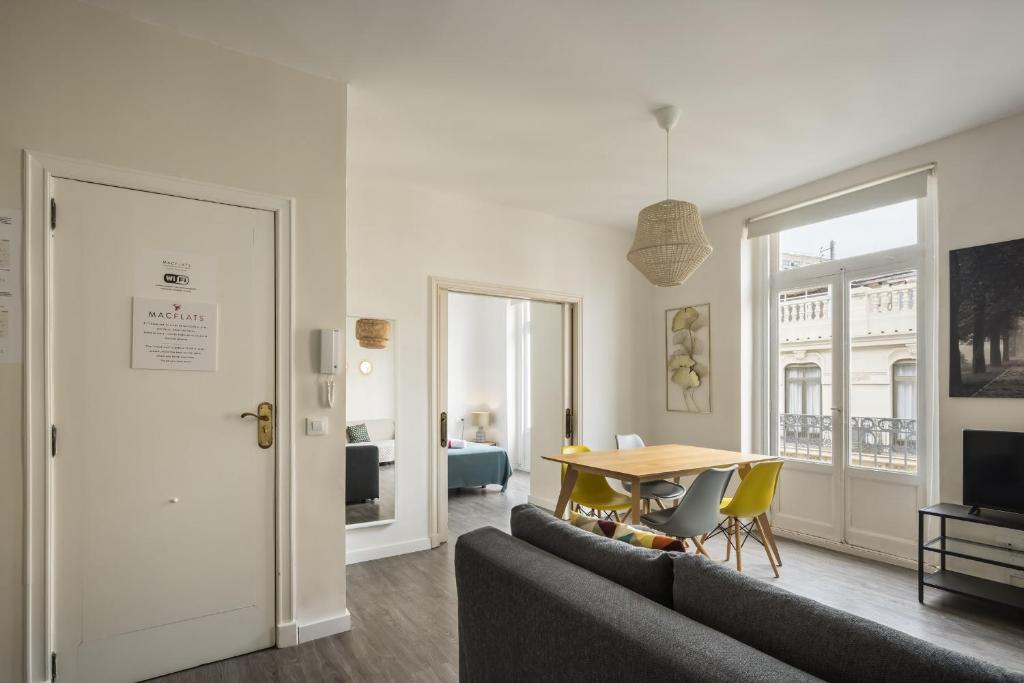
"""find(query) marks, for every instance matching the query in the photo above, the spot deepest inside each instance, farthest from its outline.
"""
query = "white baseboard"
(287, 634)
(353, 556)
(325, 627)
(845, 549)
(544, 503)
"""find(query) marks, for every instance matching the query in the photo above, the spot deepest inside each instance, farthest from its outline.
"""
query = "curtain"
(518, 384)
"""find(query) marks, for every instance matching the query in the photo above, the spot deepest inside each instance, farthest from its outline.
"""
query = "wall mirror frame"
(371, 401)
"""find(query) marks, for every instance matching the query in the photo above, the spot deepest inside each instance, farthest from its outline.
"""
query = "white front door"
(163, 513)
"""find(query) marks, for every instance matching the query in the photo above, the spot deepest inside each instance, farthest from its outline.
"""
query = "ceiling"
(544, 104)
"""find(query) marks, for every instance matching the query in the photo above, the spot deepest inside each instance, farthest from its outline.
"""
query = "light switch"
(316, 426)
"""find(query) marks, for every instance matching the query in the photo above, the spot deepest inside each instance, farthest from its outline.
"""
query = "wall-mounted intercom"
(330, 350)
(330, 340)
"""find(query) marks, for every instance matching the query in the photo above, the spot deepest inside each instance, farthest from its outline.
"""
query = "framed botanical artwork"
(688, 359)
(986, 326)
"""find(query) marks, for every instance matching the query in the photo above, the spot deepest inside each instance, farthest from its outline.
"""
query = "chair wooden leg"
(767, 547)
(661, 505)
(728, 539)
(700, 547)
(626, 515)
(739, 544)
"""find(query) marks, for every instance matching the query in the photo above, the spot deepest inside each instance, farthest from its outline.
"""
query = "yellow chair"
(592, 491)
(753, 498)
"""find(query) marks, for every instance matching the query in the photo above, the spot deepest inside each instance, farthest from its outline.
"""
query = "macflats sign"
(171, 335)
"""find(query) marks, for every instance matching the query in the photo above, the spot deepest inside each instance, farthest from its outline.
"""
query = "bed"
(477, 465)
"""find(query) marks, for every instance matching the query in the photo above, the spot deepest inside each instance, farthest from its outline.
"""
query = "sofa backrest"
(822, 640)
(379, 430)
(646, 571)
(527, 615)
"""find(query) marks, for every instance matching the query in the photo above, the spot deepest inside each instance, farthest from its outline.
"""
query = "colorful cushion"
(357, 434)
(626, 533)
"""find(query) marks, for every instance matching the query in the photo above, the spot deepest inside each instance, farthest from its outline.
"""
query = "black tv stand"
(974, 551)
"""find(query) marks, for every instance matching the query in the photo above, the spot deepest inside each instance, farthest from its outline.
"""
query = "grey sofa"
(362, 473)
(555, 603)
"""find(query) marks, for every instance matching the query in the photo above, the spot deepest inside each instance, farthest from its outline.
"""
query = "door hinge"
(53, 440)
(568, 424)
(53, 214)
(53, 667)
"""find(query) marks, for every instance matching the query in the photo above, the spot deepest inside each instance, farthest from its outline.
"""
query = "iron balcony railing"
(886, 443)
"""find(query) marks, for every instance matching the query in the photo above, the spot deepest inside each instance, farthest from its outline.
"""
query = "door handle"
(264, 424)
(444, 429)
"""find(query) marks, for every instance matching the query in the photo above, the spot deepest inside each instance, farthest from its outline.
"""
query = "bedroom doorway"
(504, 392)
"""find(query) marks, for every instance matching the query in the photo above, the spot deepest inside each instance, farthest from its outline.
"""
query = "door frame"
(40, 170)
(437, 474)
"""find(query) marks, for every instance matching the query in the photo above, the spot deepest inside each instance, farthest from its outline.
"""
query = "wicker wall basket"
(670, 243)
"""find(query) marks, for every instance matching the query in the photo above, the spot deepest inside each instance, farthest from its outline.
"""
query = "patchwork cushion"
(626, 533)
(357, 434)
(642, 570)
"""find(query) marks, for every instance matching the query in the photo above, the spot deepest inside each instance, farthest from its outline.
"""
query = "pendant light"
(670, 243)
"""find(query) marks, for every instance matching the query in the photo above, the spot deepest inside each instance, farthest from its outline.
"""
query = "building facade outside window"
(803, 389)
(904, 390)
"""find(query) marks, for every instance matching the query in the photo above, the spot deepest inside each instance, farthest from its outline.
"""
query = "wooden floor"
(404, 608)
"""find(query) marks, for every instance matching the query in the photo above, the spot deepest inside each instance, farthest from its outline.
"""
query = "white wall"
(399, 236)
(372, 396)
(477, 363)
(979, 202)
(80, 82)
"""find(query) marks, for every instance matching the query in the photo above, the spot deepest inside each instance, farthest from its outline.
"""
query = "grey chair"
(649, 490)
(698, 513)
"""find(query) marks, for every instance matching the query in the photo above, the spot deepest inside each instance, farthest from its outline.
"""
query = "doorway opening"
(505, 394)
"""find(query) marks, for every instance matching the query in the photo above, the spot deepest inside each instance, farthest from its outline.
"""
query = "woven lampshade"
(670, 243)
(372, 333)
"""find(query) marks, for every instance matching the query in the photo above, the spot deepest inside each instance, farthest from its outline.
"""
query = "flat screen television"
(994, 470)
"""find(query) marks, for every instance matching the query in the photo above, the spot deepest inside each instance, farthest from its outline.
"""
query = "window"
(904, 390)
(867, 232)
(803, 389)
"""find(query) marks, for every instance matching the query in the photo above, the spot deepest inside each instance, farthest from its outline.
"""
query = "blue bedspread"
(478, 464)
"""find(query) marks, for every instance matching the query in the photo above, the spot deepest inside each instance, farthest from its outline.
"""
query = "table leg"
(636, 500)
(769, 537)
(568, 482)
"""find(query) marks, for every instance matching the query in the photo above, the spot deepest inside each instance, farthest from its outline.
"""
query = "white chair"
(649, 490)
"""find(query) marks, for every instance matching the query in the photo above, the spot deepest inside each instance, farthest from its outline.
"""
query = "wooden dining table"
(636, 465)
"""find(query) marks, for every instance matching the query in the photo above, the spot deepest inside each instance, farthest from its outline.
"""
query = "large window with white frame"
(845, 280)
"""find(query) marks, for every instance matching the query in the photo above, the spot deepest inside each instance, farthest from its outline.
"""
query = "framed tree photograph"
(688, 359)
(986, 327)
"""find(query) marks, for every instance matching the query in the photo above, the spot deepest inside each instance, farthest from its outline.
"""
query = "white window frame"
(919, 257)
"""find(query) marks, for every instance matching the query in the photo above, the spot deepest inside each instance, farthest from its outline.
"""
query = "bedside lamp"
(480, 420)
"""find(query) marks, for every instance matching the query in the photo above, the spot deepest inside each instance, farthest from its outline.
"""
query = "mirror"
(371, 406)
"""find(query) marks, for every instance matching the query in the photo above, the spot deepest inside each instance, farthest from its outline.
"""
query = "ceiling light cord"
(668, 167)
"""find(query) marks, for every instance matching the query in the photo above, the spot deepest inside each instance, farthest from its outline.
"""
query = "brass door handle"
(264, 424)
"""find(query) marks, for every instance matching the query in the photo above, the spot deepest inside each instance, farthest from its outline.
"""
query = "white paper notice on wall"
(10, 286)
(176, 275)
(174, 335)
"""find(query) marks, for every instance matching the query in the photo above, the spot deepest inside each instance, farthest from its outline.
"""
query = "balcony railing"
(884, 443)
